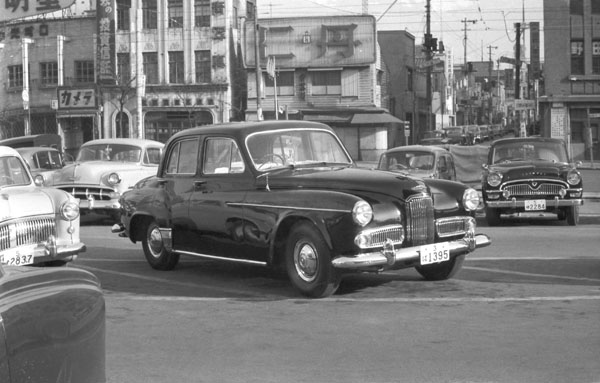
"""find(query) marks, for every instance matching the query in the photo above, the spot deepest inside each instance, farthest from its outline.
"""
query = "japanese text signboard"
(70, 98)
(106, 41)
(15, 9)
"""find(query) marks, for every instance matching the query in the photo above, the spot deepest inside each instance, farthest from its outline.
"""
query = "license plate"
(535, 204)
(17, 257)
(434, 253)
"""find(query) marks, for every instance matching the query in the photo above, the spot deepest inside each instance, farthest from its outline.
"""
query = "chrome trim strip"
(513, 203)
(287, 207)
(220, 258)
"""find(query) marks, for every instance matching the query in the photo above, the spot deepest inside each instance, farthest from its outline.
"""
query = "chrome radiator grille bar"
(420, 228)
(28, 231)
(99, 193)
(528, 190)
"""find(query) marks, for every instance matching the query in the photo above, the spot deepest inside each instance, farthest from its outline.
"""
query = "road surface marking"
(531, 274)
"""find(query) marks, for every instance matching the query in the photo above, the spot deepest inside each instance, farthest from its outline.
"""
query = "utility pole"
(428, 58)
(490, 114)
(259, 113)
(466, 70)
(465, 21)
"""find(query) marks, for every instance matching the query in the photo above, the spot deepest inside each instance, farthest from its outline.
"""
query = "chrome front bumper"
(388, 257)
(550, 203)
(47, 251)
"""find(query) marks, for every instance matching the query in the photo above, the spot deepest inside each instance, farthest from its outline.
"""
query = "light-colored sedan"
(38, 225)
(106, 168)
(43, 161)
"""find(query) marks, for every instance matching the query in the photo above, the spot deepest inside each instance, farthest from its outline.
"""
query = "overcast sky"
(494, 25)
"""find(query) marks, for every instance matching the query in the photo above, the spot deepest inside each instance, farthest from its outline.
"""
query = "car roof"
(527, 139)
(35, 149)
(8, 151)
(247, 128)
(124, 141)
(423, 148)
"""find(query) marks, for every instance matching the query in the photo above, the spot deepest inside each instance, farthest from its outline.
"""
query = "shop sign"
(76, 98)
(16, 9)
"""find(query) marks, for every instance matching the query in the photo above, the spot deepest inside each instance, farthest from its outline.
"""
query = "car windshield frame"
(115, 152)
(284, 148)
(549, 151)
(13, 172)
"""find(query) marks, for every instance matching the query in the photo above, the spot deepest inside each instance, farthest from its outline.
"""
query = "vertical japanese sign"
(106, 41)
(534, 43)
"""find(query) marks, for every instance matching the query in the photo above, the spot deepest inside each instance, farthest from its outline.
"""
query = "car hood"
(24, 201)
(348, 179)
(528, 169)
(90, 172)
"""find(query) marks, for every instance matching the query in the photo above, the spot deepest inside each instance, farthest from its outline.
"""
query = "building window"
(202, 13)
(326, 82)
(123, 7)
(203, 66)
(123, 68)
(285, 84)
(49, 73)
(595, 7)
(176, 74)
(409, 79)
(577, 59)
(84, 71)
(250, 10)
(15, 76)
(596, 57)
(150, 62)
(576, 7)
(149, 14)
(175, 13)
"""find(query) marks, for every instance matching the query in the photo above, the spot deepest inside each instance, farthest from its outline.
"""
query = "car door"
(215, 212)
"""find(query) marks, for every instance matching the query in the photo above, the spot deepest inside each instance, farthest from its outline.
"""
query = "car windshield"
(454, 130)
(47, 160)
(529, 151)
(281, 148)
(13, 172)
(110, 152)
(407, 161)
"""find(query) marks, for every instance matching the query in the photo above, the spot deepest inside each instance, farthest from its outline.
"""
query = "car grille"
(99, 193)
(28, 231)
(378, 237)
(529, 190)
(448, 227)
(420, 227)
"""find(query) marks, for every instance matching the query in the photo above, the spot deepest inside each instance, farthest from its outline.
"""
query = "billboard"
(16, 9)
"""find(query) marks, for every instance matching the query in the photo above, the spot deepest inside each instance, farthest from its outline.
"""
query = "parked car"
(43, 161)
(287, 193)
(485, 133)
(38, 225)
(106, 168)
(473, 134)
(531, 174)
(434, 137)
(420, 161)
(52, 325)
(456, 135)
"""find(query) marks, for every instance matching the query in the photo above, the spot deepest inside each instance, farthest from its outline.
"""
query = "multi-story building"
(570, 105)
(327, 69)
(138, 68)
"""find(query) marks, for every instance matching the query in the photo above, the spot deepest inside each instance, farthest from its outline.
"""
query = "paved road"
(525, 309)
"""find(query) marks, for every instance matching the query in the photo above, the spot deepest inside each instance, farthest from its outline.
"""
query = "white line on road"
(512, 272)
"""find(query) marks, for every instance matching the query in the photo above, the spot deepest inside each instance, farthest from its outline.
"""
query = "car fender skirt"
(407, 255)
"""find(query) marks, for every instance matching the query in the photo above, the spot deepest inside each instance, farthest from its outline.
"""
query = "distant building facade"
(327, 69)
(570, 104)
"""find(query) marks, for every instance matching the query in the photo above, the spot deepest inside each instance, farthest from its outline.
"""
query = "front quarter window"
(13, 172)
(222, 157)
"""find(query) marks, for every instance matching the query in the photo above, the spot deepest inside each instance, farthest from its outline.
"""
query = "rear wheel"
(492, 216)
(154, 249)
(441, 271)
(573, 215)
(308, 262)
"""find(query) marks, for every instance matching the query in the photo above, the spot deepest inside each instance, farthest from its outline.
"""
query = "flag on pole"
(271, 66)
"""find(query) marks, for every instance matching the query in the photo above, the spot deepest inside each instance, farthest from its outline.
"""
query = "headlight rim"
(471, 199)
(572, 173)
(494, 179)
(69, 210)
(362, 213)
(113, 179)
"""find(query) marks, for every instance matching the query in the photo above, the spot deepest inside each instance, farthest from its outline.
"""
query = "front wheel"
(155, 252)
(573, 215)
(441, 271)
(308, 262)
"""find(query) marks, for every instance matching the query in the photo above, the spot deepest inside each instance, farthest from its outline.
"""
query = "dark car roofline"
(526, 139)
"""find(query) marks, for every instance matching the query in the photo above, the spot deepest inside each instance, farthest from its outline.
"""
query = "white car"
(38, 225)
(106, 168)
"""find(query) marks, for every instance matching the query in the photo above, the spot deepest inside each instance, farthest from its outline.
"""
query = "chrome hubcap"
(306, 261)
(155, 242)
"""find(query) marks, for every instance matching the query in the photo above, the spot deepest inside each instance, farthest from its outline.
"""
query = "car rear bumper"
(550, 203)
(390, 256)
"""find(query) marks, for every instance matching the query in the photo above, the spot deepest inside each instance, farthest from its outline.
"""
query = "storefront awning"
(375, 118)
(326, 118)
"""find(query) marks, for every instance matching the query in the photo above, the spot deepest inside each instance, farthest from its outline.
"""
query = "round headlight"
(70, 210)
(362, 213)
(573, 178)
(494, 179)
(113, 179)
(470, 199)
